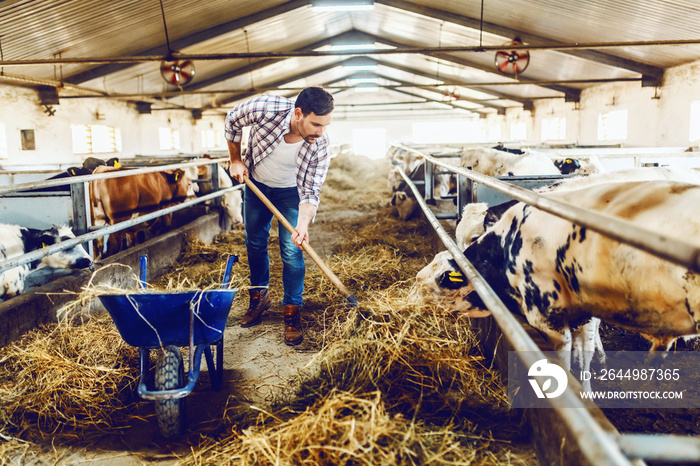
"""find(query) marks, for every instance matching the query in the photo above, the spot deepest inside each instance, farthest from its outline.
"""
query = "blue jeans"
(258, 219)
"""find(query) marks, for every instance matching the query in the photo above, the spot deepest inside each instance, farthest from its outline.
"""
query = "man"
(287, 159)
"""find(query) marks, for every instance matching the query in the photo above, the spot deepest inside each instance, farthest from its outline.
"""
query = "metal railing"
(600, 447)
(107, 230)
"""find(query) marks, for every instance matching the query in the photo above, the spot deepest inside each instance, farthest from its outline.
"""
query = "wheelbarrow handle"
(227, 273)
(305, 244)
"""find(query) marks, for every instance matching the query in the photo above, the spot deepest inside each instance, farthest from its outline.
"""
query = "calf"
(494, 162)
(115, 200)
(16, 241)
(232, 201)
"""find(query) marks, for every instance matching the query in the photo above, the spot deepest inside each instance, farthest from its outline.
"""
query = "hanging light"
(342, 5)
(359, 64)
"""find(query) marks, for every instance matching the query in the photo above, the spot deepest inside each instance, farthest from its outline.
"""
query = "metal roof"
(431, 51)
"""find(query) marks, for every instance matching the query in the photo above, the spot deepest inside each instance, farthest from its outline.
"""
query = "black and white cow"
(560, 275)
(16, 241)
(494, 162)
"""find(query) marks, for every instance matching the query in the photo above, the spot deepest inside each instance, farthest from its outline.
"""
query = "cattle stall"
(44, 209)
(614, 447)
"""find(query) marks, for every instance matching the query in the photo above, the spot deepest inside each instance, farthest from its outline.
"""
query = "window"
(369, 142)
(96, 139)
(169, 139)
(494, 133)
(612, 125)
(447, 132)
(553, 129)
(694, 121)
(3, 142)
(211, 139)
(518, 131)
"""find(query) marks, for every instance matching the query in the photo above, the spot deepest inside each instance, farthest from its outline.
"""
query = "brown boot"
(259, 303)
(292, 325)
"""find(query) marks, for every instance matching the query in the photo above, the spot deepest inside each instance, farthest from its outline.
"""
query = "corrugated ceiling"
(133, 30)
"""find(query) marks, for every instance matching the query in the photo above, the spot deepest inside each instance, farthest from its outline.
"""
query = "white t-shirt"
(279, 169)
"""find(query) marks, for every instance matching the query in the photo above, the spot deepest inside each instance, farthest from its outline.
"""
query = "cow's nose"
(83, 263)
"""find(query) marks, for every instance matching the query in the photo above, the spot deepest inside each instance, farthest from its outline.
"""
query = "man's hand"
(237, 168)
(306, 214)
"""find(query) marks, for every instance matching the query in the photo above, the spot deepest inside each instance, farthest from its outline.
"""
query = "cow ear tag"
(177, 176)
(569, 161)
(117, 165)
(452, 280)
(44, 245)
(71, 171)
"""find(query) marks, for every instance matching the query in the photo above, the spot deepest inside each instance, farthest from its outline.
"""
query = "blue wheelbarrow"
(165, 322)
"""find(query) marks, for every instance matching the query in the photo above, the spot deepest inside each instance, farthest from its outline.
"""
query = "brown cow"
(115, 200)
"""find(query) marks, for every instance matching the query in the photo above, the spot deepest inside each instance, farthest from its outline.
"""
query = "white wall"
(21, 110)
(657, 117)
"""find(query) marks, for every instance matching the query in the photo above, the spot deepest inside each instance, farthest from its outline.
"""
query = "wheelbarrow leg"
(216, 371)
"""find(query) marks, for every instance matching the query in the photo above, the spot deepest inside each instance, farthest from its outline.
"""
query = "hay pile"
(63, 381)
(392, 382)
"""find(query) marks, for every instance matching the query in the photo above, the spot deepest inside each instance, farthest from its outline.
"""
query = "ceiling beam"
(453, 82)
(190, 40)
(653, 72)
(571, 94)
(281, 82)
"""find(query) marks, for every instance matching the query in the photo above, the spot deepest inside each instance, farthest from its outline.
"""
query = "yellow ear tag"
(44, 245)
(177, 176)
(456, 277)
(117, 165)
(569, 161)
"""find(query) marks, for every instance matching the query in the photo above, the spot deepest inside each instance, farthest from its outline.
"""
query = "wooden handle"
(305, 244)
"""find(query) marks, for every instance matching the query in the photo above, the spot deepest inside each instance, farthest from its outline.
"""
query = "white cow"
(231, 201)
(494, 162)
(16, 241)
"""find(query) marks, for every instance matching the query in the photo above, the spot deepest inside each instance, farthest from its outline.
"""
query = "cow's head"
(405, 204)
(71, 258)
(180, 182)
(441, 282)
(567, 166)
(232, 202)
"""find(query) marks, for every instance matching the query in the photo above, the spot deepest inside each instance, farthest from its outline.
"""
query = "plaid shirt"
(269, 118)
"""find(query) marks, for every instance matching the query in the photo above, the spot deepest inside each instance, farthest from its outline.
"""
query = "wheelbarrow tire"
(169, 375)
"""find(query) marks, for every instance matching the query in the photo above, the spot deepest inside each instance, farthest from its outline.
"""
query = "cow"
(87, 168)
(560, 275)
(566, 165)
(494, 162)
(91, 163)
(231, 201)
(115, 200)
(16, 240)
(476, 217)
(587, 165)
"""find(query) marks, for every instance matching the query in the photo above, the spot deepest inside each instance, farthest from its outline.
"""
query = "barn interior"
(151, 82)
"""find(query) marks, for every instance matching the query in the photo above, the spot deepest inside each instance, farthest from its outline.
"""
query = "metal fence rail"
(599, 446)
(663, 246)
(104, 231)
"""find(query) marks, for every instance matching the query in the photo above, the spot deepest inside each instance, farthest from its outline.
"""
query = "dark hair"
(314, 99)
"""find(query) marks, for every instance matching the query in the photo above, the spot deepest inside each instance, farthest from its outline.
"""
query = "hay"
(61, 380)
(344, 428)
(392, 382)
